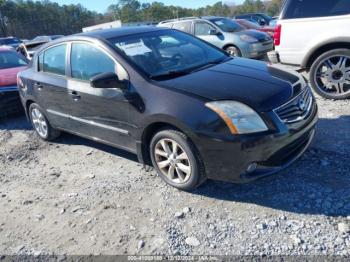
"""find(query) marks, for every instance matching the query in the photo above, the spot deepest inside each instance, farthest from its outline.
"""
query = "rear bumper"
(267, 153)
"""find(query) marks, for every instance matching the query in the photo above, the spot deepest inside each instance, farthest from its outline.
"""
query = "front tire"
(176, 160)
(233, 51)
(330, 74)
(40, 123)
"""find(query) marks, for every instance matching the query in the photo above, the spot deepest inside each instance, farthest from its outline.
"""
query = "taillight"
(277, 35)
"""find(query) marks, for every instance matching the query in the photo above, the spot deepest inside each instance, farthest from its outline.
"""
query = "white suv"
(315, 35)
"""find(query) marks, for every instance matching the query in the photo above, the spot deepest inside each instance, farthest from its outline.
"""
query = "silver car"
(226, 34)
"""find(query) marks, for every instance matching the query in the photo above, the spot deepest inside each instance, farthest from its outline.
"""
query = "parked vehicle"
(225, 34)
(260, 19)
(10, 64)
(10, 41)
(28, 49)
(316, 38)
(44, 38)
(249, 25)
(179, 103)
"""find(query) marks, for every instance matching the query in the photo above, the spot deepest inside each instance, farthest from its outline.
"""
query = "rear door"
(203, 30)
(102, 114)
(50, 84)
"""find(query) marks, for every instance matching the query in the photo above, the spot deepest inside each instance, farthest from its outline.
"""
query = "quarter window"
(54, 60)
(88, 61)
(203, 28)
(309, 8)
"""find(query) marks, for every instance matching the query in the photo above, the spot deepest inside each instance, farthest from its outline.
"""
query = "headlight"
(248, 38)
(239, 118)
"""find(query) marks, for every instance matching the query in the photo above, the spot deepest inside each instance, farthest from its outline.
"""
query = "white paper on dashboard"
(134, 49)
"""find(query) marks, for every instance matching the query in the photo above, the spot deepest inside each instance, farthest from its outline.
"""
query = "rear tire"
(330, 74)
(40, 123)
(233, 51)
(176, 160)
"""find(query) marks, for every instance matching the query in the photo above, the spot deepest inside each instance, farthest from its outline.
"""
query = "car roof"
(121, 31)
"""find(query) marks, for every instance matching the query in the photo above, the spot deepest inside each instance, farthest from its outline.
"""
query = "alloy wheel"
(333, 75)
(172, 161)
(39, 122)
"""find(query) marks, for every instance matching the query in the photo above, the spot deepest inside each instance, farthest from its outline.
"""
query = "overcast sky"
(101, 5)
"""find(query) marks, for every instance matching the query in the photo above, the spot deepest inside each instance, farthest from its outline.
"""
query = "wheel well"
(321, 50)
(147, 136)
(28, 103)
(229, 45)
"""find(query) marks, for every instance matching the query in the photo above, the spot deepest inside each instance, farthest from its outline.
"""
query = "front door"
(203, 30)
(99, 113)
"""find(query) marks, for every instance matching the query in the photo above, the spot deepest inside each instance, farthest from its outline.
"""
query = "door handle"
(38, 86)
(75, 95)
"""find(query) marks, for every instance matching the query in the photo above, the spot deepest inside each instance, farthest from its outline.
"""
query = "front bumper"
(259, 49)
(231, 160)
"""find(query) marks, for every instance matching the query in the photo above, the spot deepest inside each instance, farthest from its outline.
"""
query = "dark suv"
(182, 105)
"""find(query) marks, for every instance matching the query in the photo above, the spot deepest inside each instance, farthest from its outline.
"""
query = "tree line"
(27, 19)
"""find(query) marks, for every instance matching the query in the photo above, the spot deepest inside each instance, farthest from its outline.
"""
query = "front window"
(227, 25)
(11, 60)
(167, 52)
(88, 61)
(203, 29)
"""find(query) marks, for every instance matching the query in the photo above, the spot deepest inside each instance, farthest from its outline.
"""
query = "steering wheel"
(177, 59)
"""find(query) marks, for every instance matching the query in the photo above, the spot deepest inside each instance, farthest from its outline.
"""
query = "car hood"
(260, 36)
(261, 86)
(8, 76)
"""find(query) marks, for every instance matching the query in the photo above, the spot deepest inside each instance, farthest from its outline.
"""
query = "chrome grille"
(297, 109)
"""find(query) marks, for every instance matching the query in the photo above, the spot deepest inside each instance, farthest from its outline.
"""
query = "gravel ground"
(78, 197)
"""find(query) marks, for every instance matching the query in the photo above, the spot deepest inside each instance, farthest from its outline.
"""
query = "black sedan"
(180, 104)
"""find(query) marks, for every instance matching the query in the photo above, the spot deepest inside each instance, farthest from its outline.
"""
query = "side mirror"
(108, 80)
(214, 32)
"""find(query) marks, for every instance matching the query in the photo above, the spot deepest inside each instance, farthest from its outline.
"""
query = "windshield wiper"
(210, 64)
(177, 73)
(169, 74)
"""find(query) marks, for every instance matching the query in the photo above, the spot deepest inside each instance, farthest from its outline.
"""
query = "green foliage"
(27, 18)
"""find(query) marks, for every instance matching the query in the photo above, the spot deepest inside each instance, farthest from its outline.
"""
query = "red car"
(10, 64)
(250, 25)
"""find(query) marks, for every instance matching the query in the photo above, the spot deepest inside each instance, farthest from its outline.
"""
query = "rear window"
(310, 8)
(54, 60)
(11, 60)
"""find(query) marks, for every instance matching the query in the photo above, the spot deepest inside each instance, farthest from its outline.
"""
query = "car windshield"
(9, 41)
(11, 60)
(167, 53)
(227, 25)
